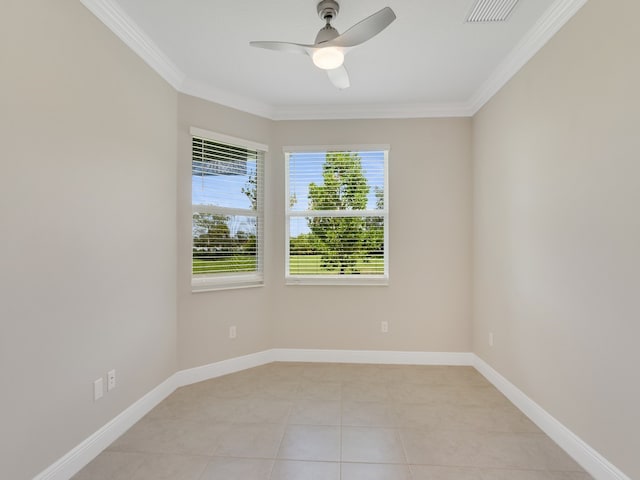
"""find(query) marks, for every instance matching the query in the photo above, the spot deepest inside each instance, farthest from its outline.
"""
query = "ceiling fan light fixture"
(329, 48)
(328, 58)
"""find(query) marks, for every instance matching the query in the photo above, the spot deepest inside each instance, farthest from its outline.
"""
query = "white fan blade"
(339, 77)
(364, 30)
(284, 47)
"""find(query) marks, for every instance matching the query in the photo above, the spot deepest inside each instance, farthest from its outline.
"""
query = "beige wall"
(427, 301)
(204, 317)
(88, 143)
(87, 212)
(557, 229)
(429, 159)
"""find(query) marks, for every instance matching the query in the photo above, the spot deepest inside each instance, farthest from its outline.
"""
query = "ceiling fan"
(330, 47)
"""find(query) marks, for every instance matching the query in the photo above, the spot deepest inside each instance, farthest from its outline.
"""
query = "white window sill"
(338, 280)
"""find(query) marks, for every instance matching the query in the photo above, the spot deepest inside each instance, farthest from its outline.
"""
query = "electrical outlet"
(111, 380)
(491, 339)
(384, 326)
(233, 333)
(98, 389)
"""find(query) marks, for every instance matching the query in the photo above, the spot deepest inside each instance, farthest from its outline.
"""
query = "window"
(337, 215)
(227, 212)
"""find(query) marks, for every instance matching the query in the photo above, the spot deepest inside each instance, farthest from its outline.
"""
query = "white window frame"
(358, 280)
(224, 281)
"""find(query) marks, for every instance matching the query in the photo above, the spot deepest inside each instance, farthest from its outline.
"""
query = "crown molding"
(545, 28)
(116, 20)
(209, 92)
(109, 12)
(372, 111)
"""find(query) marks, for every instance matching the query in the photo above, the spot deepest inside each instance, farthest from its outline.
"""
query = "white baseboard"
(372, 356)
(224, 367)
(588, 458)
(81, 455)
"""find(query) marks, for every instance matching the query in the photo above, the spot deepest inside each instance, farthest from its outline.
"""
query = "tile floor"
(336, 422)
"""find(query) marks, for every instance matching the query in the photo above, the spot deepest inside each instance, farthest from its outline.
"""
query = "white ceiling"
(429, 62)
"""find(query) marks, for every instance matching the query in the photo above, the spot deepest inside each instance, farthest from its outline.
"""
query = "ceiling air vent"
(490, 11)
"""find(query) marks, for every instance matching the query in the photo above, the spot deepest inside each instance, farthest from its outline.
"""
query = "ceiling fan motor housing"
(325, 34)
(328, 10)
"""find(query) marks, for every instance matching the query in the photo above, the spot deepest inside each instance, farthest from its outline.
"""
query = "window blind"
(227, 214)
(337, 216)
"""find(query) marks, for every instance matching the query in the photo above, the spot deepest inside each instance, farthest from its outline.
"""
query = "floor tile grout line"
(343, 377)
(284, 433)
